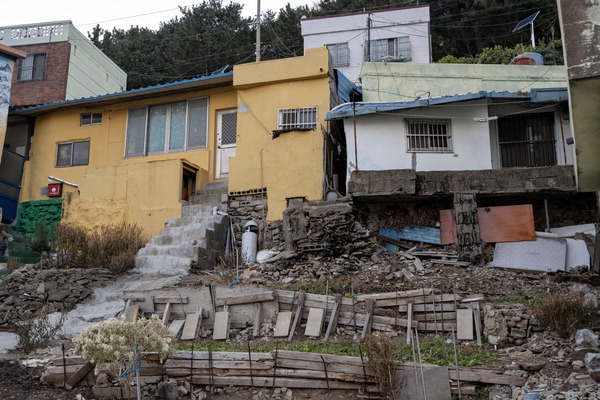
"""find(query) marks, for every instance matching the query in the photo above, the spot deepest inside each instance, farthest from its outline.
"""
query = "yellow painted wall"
(145, 190)
(292, 164)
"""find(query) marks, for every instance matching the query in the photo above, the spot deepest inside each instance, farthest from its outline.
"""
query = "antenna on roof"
(525, 22)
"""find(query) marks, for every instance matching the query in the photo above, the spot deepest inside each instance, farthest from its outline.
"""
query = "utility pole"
(368, 37)
(257, 31)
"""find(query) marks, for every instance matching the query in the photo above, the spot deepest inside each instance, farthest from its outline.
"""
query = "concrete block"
(314, 322)
(191, 326)
(131, 313)
(464, 324)
(221, 328)
(282, 326)
(176, 326)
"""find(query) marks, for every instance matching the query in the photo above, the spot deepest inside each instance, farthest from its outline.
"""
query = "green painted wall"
(31, 211)
(408, 81)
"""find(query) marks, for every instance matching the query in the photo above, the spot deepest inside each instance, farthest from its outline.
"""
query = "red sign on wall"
(54, 189)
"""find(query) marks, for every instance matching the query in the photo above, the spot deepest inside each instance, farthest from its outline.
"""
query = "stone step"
(178, 237)
(214, 199)
(194, 219)
(176, 251)
(179, 230)
(197, 210)
(163, 264)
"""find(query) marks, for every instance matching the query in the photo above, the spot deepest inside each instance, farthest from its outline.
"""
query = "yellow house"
(129, 155)
(283, 136)
(135, 155)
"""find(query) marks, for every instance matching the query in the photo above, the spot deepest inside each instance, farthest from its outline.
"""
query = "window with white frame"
(340, 54)
(91, 119)
(32, 67)
(297, 118)
(391, 49)
(73, 153)
(428, 135)
(167, 128)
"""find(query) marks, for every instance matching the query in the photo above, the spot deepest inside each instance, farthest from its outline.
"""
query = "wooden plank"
(217, 364)
(246, 298)
(368, 319)
(172, 300)
(331, 327)
(477, 317)
(297, 316)
(483, 376)
(220, 355)
(409, 325)
(279, 382)
(277, 372)
(422, 299)
(79, 375)
(166, 314)
(257, 319)
(451, 262)
(418, 264)
(70, 360)
(394, 295)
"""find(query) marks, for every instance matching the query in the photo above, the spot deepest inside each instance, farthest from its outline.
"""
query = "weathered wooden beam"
(246, 298)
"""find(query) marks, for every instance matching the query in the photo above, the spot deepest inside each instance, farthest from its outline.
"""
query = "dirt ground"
(20, 383)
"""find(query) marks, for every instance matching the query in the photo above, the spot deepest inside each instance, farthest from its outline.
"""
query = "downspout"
(355, 141)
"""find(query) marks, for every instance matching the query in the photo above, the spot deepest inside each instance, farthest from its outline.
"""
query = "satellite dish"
(525, 22)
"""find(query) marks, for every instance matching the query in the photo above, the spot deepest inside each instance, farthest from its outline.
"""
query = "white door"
(226, 137)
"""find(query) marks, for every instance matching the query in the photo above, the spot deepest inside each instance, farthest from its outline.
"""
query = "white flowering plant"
(115, 339)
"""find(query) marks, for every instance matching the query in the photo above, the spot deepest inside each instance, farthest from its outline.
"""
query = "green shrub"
(111, 246)
(562, 313)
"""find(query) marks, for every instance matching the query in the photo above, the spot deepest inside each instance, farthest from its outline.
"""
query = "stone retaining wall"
(507, 324)
(29, 289)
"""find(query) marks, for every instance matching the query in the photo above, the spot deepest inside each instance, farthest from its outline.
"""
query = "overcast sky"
(85, 14)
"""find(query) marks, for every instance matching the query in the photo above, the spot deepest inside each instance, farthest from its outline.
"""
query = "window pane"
(27, 68)
(136, 129)
(197, 123)
(97, 118)
(86, 119)
(177, 139)
(81, 153)
(157, 122)
(39, 62)
(63, 156)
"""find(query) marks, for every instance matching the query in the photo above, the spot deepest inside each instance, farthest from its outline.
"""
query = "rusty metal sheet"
(496, 224)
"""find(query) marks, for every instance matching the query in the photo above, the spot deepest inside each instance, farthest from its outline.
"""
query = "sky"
(85, 14)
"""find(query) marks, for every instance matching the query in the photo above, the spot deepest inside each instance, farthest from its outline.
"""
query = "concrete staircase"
(197, 237)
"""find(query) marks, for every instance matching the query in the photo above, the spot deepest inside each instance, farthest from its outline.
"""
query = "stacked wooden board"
(280, 368)
(424, 309)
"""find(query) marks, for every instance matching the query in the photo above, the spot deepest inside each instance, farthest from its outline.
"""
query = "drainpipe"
(355, 141)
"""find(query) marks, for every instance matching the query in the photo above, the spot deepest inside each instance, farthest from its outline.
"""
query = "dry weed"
(562, 312)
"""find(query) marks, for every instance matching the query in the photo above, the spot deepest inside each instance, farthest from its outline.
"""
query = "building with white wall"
(398, 35)
(475, 131)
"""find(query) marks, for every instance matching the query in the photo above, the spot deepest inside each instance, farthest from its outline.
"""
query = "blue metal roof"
(149, 90)
(346, 88)
(536, 95)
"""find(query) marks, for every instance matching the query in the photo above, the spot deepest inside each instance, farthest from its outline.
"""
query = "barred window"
(297, 118)
(428, 135)
(391, 49)
(340, 54)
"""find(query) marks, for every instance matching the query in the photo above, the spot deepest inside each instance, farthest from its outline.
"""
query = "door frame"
(219, 146)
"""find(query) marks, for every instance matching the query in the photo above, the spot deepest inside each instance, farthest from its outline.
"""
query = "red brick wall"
(54, 85)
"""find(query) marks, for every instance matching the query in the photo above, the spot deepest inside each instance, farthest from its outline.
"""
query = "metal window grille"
(229, 128)
(340, 54)
(428, 135)
(391, 49)
(297, 118)
(527, 141)
(32, 67)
